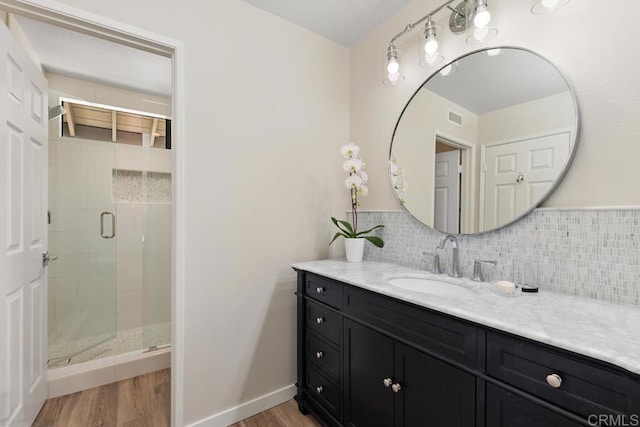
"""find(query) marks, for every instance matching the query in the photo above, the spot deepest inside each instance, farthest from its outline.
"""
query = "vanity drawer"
(322, 289)
(433, 332)
(324, 321)
(324, 356)
(324, 391)
(586, 388)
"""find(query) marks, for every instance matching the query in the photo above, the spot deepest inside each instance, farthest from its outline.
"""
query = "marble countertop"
(604, 331)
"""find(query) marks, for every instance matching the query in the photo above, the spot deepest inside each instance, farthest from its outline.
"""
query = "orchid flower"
(353, 182)
(352, 165)
(350, 150)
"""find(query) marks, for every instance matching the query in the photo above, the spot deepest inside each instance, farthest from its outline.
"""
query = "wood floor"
(141, 401)
(144, 401)
(285, 415)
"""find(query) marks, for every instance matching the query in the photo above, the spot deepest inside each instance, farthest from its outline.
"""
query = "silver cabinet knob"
(554, 380)
(319, 389)
(387, 382)
(396, 387)
(319, 320)
(319, 289)
(319, 355)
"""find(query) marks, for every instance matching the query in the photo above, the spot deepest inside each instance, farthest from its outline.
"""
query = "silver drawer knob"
(387, 382)
(319, 320)
(554, 380)
(396, 387)
(319, 289)
(319, 355)
(319, 389)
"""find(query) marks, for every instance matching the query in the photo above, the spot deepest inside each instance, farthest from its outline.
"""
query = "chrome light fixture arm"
(410, 27)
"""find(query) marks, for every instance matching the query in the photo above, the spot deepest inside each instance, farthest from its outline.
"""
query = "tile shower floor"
(125, 341)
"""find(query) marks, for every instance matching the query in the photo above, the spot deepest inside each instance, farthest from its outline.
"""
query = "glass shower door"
(82, 235)
(143, 199)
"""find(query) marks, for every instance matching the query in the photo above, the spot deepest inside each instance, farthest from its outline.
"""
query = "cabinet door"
(432, 392)
(505, 409)
(368, 360)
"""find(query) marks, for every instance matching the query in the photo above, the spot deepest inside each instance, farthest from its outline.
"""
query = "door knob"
(554, 380)
(319, 320)
(396, 387)
(319, 355)
(319, 389)
(46, 258)
(387, 382)
(319, 289)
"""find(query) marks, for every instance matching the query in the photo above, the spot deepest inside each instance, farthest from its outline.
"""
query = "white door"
(518, 175)
(447, 192)
(23, 234)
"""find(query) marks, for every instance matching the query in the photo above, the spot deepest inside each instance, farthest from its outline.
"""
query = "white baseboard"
(107, 370)
(248, 409)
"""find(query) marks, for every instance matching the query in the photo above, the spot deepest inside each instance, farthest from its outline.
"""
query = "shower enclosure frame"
(62, 15)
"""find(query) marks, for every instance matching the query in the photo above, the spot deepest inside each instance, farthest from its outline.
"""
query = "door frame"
(483, 161)
(72, 18)
(467, 189)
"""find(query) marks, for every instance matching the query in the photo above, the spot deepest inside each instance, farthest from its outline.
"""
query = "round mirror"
(483, 141)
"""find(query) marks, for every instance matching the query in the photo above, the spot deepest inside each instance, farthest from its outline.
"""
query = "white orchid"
(355, 184)
(350, 150)
(353, 165)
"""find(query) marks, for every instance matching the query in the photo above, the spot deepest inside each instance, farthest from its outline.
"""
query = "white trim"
(248, 409)
(106, 370)
(590, 208)
(62, 15)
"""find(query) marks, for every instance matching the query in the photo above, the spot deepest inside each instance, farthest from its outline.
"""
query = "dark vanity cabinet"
(367, 360)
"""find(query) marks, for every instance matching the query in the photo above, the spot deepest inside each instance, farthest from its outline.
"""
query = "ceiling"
(74, 54)
(479, 83)
(343, 21)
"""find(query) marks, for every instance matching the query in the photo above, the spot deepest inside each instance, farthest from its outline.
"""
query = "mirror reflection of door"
(519, 173)
(447, 188)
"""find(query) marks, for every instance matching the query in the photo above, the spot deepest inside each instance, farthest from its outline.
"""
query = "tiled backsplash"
(589, 253)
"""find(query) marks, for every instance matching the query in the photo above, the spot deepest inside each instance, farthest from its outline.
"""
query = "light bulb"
(393, 67)
(482, 16)
(550, 4)
(431, 45)
(446, 70)
(393, 77)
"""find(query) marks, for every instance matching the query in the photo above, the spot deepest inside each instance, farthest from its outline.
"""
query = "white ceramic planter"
(354, 249)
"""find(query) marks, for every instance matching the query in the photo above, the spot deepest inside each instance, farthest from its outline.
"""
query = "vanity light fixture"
(480, 31)
(470, 17)
(392, 66)
(428, 51)
(545, 6)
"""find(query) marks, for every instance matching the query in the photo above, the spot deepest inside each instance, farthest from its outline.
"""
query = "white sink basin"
(430, 286)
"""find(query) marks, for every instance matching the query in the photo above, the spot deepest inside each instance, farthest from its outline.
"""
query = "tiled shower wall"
(589, 253)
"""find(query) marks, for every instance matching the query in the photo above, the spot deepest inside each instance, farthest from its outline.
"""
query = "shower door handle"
(113, 225)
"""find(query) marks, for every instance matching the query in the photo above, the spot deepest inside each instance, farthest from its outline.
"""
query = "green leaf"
(336, 236)
(375, 240)
(346, 227)
(369, 231)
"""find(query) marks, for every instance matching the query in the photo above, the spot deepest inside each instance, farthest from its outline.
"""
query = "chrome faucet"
(455, 267)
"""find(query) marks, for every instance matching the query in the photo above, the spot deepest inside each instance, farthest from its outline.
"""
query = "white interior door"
(23, 235)
(518, 175)
(447, 192)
